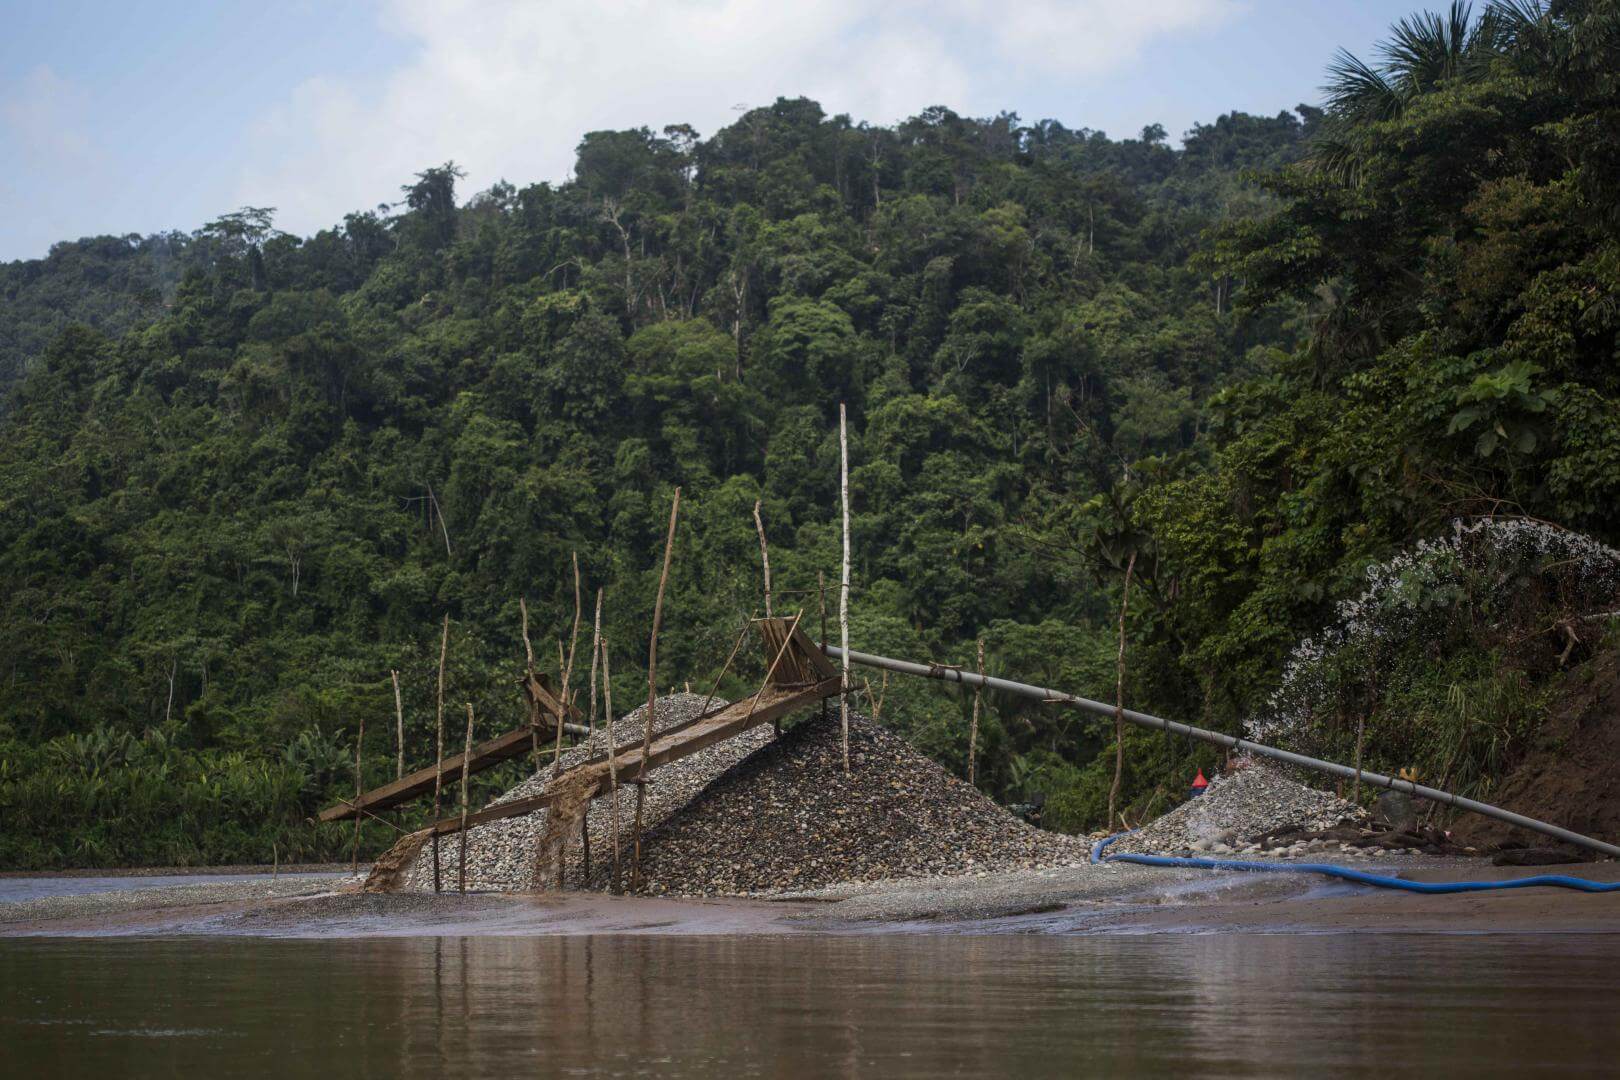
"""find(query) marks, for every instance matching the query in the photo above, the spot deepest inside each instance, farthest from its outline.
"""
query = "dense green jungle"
(1092, 383)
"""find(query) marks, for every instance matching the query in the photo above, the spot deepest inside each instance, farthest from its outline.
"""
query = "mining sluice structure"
(798, 675)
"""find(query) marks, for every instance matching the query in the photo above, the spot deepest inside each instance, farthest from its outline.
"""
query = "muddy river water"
(875, 1005)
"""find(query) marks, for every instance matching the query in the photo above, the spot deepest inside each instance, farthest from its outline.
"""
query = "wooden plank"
(803, 662)
(544, 705)
(420, 782)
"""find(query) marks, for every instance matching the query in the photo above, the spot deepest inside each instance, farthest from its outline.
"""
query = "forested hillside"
(1244, 368)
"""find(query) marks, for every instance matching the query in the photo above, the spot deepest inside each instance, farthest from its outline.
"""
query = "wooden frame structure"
(799, 675)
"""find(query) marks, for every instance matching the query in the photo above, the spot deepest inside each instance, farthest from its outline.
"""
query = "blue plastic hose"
(1361, 877)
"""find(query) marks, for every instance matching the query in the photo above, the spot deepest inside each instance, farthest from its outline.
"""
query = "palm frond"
(1357, 91)
(1426, 48)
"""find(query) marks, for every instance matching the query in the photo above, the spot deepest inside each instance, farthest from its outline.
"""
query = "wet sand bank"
(1106, 899)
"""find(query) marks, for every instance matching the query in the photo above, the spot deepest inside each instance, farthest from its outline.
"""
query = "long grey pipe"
(1040, 693)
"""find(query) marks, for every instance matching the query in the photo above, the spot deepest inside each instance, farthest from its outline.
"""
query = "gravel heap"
(789, 818)
(1235, 812)
(500, 854)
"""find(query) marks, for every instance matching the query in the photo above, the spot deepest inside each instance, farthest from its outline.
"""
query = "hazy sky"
(140, 115)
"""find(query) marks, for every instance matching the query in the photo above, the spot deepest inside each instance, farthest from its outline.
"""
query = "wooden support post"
(973, 729)
(821, 589)
(635, 859)
(596, 655)
(462, 876)
(568, 673)
(613, 768)
(528, 652)
(399, 729)
(359, 786)
(438, 768)
(735, 646)
(652, 677)
(764, 557)
(843, 583)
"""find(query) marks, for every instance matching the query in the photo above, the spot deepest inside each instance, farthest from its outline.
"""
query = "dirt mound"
(1235, 811)
(1571, 775)
(788, 818)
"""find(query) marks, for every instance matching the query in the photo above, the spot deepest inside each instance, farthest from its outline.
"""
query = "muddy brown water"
(877, 1005)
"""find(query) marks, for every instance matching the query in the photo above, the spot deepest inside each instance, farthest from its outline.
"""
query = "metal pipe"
(1040, 693)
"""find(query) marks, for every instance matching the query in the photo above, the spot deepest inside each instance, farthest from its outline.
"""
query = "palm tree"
(1423, 52)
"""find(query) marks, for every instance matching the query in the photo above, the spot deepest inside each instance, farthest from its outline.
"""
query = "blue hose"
(1361, 877)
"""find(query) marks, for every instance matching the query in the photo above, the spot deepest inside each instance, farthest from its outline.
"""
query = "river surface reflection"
(874, 1005)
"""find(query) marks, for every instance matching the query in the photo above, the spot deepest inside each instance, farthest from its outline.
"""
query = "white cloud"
(507, 88)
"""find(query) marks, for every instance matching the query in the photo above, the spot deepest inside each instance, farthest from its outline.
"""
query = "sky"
(144, 116)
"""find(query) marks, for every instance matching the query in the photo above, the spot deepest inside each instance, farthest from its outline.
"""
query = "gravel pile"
(1235, 812)
(500, 854)
(789, 818)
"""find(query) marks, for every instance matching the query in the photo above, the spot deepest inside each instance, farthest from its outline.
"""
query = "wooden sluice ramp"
(797, 659)
(543, 705)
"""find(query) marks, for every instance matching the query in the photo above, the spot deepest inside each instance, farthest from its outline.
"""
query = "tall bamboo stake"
(354, 855)
(635, 858)
(466, 756)
(652, 681)
(973, 730)
(567, 672)
(596, 653)
(821, 590)
(399, 729)
(534, 715)
(613, 765)
(438, 766)
(843, 584)
(764, 557)
(1119, 694)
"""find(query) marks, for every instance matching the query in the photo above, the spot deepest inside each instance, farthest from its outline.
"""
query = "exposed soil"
(1571, 775)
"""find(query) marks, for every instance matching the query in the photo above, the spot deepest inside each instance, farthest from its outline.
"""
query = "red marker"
(1198, 784)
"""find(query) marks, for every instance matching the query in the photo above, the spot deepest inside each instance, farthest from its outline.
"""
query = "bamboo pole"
(821, 590)
(567, 673)
(764, 557)
(973, 730)
(1119, 694)
(534, 714)
(843, 583)
(438, 766)
(652, 680)
(635, 858)
(596, 654)
(613, 767)
(399, 729)
(466, 756)
(724, 668)
(354, 854)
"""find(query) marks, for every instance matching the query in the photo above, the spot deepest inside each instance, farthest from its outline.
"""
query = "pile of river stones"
(761, 813)
(1258, 811)
(790, 818)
